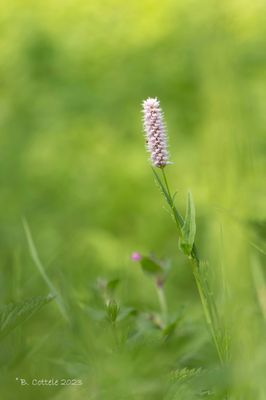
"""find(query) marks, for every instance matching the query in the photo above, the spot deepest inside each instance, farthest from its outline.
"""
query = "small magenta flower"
(155, 133)
(135, 256)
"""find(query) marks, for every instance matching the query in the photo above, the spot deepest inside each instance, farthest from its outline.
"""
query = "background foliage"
(72, 163)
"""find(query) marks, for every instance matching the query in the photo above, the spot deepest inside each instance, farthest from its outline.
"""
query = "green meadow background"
(73, 75)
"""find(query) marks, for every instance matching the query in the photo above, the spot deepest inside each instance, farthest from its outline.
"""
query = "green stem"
(115, 336)
(177, 217)
(163, 303)
(207, 314)
(208, 304)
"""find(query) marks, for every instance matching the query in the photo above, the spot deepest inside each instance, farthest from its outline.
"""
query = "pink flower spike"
(155, 133)
(135, 256)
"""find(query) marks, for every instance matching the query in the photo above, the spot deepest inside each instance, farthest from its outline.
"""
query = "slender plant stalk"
(156, 141)
(115, 335)
(162, 302)
(208, 303)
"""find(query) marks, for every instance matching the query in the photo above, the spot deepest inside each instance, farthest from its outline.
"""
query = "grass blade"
(36, 259)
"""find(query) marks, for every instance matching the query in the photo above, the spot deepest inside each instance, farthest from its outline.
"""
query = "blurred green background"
(73, 75)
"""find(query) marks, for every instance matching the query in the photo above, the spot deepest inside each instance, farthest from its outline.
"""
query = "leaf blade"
(14, 314)
(188, 229)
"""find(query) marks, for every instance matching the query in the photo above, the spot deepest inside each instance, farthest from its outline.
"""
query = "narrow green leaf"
(189, 227)
(36, 259)
(169, 329)
(127, 312)
(112, 310)
(14, 314)
(112, 285)
(150, 266)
